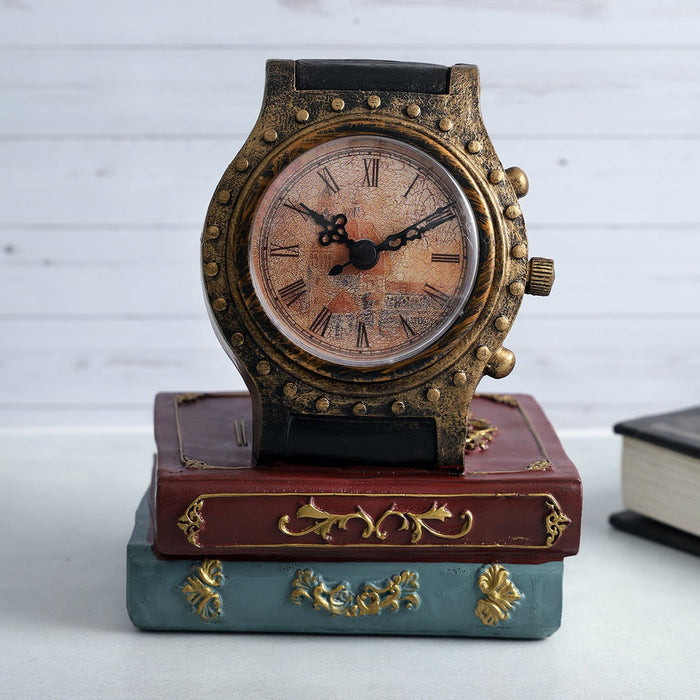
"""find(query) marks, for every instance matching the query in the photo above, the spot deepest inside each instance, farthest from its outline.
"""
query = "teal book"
(493, 599)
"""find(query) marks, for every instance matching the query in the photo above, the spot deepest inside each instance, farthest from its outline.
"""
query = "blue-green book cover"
(353, 597)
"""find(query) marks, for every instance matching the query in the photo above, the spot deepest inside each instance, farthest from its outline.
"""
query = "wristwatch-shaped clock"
(364, 256)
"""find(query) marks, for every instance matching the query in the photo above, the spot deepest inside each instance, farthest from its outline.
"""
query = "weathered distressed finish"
(288, 382)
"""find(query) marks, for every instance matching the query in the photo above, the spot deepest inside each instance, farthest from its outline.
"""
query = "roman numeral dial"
(371, 178)
(328, 180)
(291, 292)
(452, 258)
(362, 339)
(320, 323)
(363, 251)
(284, 251)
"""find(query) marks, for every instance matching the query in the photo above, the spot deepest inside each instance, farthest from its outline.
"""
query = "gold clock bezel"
(390, 354)
(243, 316)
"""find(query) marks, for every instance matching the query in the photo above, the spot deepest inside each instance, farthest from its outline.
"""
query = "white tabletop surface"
(630, 623)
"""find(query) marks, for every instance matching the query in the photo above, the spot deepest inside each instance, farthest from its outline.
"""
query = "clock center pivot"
(363, 254)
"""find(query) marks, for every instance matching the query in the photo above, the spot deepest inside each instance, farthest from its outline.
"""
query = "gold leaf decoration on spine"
(417, 522)
(191, 521)
(479, 434)
(199, 589)
(326, 521)
(555, 522)
(501, 595)
(339, 599)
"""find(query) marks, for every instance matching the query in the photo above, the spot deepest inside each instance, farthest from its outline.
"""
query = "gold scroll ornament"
(199, 589)
(501, 596)
(338, 599)
(191, 522)
(417, 522)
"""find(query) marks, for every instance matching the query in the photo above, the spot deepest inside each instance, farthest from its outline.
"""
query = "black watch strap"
(338, 440)
(392, 76)
(360, 441)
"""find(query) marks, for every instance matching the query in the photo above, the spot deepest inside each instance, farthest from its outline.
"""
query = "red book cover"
(518, 499)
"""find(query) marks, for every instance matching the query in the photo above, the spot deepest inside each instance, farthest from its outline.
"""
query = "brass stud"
(483, 353)
(211, 269)
(519, 251)
(241, 164)
(445, 124)
(290, 389)
(323, 404)
(237, 340)
(373, 101)
(496, 176)
(398, 407)
(263, 367)
(270, 135)
(518, 179)
(501, 363)
(211, 232)
(359, 409)
(337, 104)
(219, 304)
(501, 323)
(413, 111)
(433, 394)
(474, 146)
(512, 212)
(223, 197)
(459, 378)
(302, 116)
(517, 289)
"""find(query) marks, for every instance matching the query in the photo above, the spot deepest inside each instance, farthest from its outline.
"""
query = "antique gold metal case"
(438, 383)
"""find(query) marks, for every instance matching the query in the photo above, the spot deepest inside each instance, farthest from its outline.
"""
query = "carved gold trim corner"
(417, 522)
(540, 465)
(479, 434)
(199, 591)
(188, 397)
(555, 522)
(501, 596)
(191, 521)
(504, 399)
(189, 463)
(339, 599)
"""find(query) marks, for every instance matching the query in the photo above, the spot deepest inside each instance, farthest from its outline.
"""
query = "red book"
(518, 500)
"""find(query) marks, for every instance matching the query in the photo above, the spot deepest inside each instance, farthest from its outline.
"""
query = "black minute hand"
(415, 231)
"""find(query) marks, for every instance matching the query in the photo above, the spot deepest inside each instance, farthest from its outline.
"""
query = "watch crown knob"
(518, 179)
(540, 276)
(501, 363)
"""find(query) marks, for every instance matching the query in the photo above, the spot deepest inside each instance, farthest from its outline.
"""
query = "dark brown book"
(519, 498)
(661, 469)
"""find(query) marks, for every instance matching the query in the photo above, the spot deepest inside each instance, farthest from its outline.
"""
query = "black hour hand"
(332, 231)
(335, 232)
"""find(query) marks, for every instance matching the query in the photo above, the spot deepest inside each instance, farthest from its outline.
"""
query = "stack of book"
(220, 545)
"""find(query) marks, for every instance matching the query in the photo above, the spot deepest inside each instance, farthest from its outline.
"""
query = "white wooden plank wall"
(117, 118)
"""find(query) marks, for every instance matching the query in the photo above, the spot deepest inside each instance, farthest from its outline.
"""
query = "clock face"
(363, 251)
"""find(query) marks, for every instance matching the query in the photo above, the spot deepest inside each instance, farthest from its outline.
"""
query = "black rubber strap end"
(380, 76)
